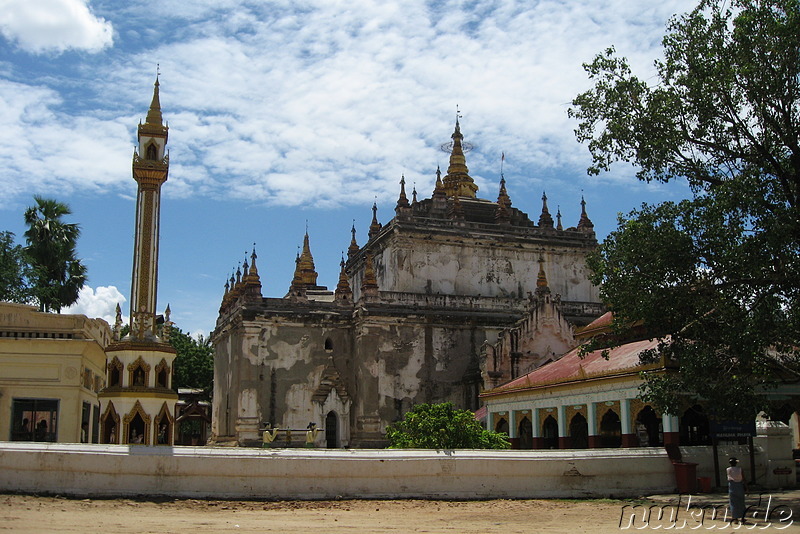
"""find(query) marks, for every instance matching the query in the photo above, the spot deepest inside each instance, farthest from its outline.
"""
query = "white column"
(670, 423)
(535, 423)
(562, 421)
(512, 424)
(591, 418)
(489, 420)
(625, 415)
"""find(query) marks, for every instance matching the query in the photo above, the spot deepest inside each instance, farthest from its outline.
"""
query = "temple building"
(138, 402)
(413, 316)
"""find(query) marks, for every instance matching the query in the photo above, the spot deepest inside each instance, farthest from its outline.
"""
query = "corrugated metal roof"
(571, 367)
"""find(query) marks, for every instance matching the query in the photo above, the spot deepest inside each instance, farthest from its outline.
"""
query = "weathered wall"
(102, 470)
(476, 264)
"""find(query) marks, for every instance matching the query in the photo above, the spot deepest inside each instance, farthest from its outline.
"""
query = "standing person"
(736, 491)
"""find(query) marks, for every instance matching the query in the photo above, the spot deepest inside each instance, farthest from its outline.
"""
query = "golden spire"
(252, 282)
(403, 208)
(353, 248)
(343, 291)
(458, 181)
(541, 280)
(502, 215)
(305, 265)
(545, 219)
(369, 285)
(375, 227)
(585, 224)
(154, 122)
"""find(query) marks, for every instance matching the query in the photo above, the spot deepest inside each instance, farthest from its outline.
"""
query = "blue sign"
(732, 429)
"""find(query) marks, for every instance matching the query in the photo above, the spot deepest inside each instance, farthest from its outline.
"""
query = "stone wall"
(118, 470)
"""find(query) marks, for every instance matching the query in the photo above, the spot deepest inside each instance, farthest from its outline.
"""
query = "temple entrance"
(550, 433)
(694, 427)
(501, 426)
(331, 431)
(525, 434)
(610, 430)
(579, 432)
(649, 428)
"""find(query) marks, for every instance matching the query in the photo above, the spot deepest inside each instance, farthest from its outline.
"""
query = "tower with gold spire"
(138, 404)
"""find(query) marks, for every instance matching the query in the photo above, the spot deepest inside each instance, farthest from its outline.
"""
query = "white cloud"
(98, 303)
(325, 103)
(54, 25)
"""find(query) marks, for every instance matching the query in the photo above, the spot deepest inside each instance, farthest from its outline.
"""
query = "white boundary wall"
(124, 470)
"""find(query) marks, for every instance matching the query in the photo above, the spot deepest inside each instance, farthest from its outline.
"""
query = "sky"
(292, 115)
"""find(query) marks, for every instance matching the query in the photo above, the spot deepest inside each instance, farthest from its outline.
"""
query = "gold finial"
(458, 181)
(541, 280)
(545, 220)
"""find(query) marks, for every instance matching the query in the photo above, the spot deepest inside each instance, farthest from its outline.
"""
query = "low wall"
(122, 470)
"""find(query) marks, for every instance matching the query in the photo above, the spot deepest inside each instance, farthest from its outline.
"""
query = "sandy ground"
(29, 514)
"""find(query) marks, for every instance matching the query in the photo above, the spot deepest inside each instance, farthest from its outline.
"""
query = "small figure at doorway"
(162, 434)
(268, 436)
(311, 434)
(84, 432)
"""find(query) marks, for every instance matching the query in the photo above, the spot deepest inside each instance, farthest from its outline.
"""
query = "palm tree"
(58, 275)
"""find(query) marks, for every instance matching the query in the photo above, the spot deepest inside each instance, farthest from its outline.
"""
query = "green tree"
(56, 274)
(14, 271)
(716, 275)
(194, 364)
(442, 426)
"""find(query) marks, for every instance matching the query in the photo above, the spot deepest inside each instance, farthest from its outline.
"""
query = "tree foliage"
(14, 271)
(194, 363)
(716, 273)
(57, 275)
(442, 426)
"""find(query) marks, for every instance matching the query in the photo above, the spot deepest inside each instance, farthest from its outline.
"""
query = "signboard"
(732, 429)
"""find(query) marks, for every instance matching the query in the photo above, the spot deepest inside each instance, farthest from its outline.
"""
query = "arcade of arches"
(626, 422)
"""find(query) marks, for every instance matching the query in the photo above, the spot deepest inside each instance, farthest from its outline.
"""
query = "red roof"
(572, 368)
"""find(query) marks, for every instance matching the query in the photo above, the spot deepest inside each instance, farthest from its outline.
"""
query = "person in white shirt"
(736, 490)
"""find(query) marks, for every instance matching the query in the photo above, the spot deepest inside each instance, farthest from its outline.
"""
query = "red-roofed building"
(591, 400)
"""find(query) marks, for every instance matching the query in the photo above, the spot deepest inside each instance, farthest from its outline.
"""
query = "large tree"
(57, 274)
(716, 275)
(14, 270)
(194, 363)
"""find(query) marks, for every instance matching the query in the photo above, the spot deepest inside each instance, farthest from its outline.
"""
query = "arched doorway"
(501, 426)
(694, 427)
(136, 430)
(579, 432)
(332, 430)
(649, 428)
(550, 433)
(525, 434)
(610, 430)
(110, 425)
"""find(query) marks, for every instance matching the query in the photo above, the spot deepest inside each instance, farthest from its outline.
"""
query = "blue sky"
(292, 113)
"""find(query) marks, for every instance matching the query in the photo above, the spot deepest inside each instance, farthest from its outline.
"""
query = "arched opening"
(525, 434)
(328, 345)
(161, 378)
(610, 430)
(115, 373)
(501, 426)
(649, 428)
(694, 427)
(579, 432)
(110, 425)
(136, 430)
(163, 427)
(550, 433)
(151, 152)
(332, 430)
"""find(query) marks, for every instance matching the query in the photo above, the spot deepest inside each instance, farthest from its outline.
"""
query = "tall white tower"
(138, 404)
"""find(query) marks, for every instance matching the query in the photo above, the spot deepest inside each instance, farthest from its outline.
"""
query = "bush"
(442, 426)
